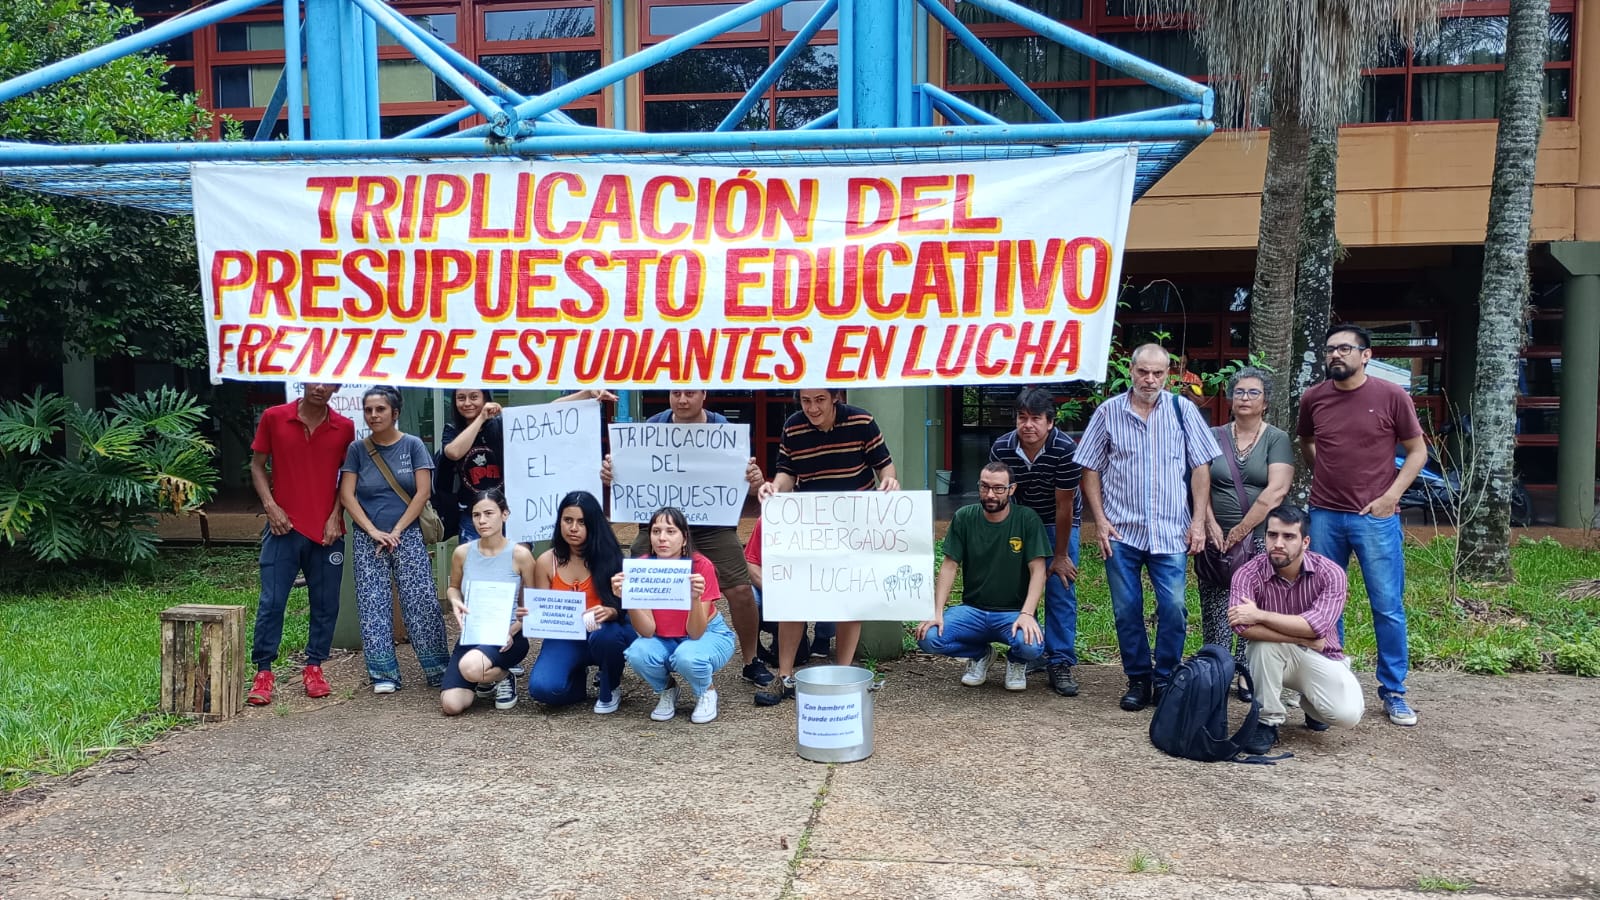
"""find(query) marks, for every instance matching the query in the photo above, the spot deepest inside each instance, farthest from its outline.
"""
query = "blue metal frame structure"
(887, 112)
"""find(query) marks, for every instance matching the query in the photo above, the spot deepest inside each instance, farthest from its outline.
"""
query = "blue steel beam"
(619, 37)
(500, 117)
(775, 71)
(826, 120)
(324, 69)
(876, 63)
(948, 112)
(369, 59)
(989, 59)
(942, 97)
(1180, 111)
(293, 39)
(133, 43)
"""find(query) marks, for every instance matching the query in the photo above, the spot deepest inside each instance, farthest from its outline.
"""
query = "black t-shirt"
(481, 468)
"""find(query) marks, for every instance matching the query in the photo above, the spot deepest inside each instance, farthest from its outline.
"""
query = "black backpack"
(1192, 719)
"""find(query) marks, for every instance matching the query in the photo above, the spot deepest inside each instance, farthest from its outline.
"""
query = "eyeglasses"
(1341, 349)
(993, 488)
(1248, 393)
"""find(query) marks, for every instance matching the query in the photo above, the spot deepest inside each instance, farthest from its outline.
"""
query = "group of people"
(1159, 485)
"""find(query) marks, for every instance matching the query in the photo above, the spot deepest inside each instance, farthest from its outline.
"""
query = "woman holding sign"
(478, 569)
(692, 643)
(583, 558)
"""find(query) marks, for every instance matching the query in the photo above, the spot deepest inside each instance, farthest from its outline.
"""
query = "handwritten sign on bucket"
(846, 557)
(551, 449)
(655, 584)
(700, 469)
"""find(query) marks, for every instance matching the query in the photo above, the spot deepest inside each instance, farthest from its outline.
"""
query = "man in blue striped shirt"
(1146, 459)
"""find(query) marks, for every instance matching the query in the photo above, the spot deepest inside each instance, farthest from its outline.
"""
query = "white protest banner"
(700, 469)
(655, 583)
(490, 608)
(346, 401)
(847, 557)
(829, 721)
(553, 615)
(551, 450)
(563, 274)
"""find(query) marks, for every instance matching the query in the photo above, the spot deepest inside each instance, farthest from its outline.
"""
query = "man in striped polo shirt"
(1287, 602)
(828, 445)
(1039, 456)
(1136, 454)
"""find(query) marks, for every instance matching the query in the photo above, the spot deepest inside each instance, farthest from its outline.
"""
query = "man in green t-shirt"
(1002, 553)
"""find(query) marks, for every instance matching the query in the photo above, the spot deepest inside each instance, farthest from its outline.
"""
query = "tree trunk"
(1483, 548)
(1278, 246)
(1313, 295)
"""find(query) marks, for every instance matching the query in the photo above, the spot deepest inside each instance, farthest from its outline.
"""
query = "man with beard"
(1001, 551)
(1287, 602)
(1349, 426)
(1146, 459)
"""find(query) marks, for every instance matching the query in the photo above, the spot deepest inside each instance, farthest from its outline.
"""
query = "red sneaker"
(261, 689)
(316, 685)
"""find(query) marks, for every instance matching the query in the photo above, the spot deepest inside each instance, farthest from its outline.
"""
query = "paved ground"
(972, 793)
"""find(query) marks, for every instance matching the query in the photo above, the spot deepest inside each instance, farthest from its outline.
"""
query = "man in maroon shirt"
(306, 443)
(1288, 602)
(1349, 426)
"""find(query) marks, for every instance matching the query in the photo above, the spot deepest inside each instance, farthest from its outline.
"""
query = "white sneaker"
(667, 706)
(978, 669)
(383, 687)
(604, 707)
(1016, 675)
(505, 692)
(706, 709)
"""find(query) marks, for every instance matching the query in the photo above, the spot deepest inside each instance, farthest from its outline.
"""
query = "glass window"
(1174, 50)
(1060, 10)
(670, 20)
(409, 81)
(440, 25)
(699, 115)
(796, 111)
(179, 48)
(796, 13)
(815, 68)
(1461, 95)
(1481, 40)
(1071, 104)
(707, 70)
(583, 115)
(1114, 101)
(394, 126)
(179, 79)
(1382, 99)
(1032, 57)
(240, 37)
(535, 73)
(538, 24)
(241, 86)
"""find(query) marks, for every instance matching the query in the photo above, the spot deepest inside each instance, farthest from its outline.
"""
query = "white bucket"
(833, 705)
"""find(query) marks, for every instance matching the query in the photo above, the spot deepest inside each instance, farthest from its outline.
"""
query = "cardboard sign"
(554, 615)
(551, 450)
(655, 583)
(847, 557)
(700, 469)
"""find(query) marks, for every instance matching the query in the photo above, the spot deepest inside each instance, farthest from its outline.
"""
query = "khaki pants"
(1331, 692)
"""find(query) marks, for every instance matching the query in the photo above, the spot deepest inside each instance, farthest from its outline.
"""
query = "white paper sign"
(552, 449)
(700, 469)
(847, 557)
(829, 721)
(490, 608)
(655, 584)
(346, 401)
(553, 615)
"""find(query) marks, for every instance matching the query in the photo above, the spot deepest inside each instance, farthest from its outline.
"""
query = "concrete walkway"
(972, 793)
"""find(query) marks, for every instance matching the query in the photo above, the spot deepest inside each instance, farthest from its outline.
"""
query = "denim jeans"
(1379, 545)
(558, 674)
(283, 556)
(1061, 608)
(968, 632)
(694, 660)
(1169, 573)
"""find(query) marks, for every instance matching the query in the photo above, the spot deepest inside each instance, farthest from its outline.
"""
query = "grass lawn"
(80, 663)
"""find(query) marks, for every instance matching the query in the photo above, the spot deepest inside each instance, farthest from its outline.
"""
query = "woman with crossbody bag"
(385, 483)
(1249, 479)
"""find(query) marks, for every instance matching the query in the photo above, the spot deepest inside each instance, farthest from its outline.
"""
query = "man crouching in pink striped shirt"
(1288, 603)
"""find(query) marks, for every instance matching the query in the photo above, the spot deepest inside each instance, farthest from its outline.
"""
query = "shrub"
(1579, 657)
(78, 484)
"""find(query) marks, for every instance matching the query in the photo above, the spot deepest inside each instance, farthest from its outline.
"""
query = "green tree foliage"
(76, 276)
(78, 484)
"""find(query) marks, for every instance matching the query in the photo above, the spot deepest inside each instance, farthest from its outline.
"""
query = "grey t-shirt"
(1273, 447)
(405, 456)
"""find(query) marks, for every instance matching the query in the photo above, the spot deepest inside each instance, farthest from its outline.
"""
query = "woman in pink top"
(693, 643)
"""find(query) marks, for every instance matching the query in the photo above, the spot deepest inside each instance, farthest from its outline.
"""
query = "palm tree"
(1483, 550)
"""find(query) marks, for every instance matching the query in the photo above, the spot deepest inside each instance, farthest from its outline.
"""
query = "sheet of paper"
(829, 721)
(655, 584)
(553, 615)
(700, 469)
(490, 607)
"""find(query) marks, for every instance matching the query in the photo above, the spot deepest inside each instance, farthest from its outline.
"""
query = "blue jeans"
(694, 660)
(1061, 608)
(1169, 573)
(558, 674)
(284, 556)
(968, 632)
(1379, 545)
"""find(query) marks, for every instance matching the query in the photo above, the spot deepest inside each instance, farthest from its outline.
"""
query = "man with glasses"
(1146, 459)
(1000, 550)
(1045, 479)
(1349, 426)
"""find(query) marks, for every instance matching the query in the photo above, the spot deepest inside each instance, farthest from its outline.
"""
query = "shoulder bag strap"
(372, 451)
(1233, 466)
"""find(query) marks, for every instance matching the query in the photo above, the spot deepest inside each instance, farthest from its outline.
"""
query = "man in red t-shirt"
(305, 442)
(1349, 426)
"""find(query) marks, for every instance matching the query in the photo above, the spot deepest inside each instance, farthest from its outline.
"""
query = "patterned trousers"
(376, 575)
